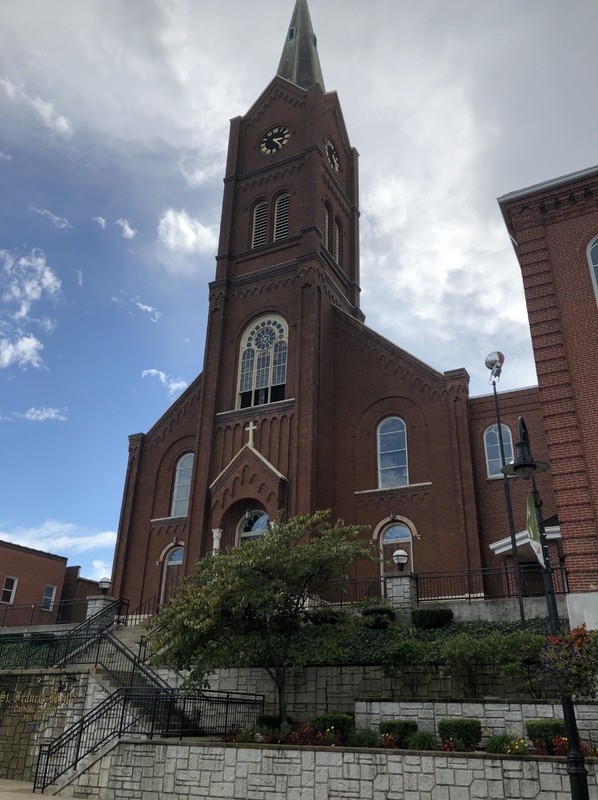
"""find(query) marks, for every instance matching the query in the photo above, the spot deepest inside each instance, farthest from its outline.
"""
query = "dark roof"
(300, 62)
(21, 548)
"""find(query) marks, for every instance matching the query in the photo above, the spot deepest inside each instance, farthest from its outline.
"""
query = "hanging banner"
(533, 531)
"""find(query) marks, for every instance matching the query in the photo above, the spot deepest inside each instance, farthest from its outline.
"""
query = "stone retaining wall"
(496, 718)
(168, 771)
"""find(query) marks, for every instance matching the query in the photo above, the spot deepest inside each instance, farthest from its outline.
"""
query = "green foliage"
(422, 740)
(463, 656)
(570, 663)
(341, 723)
(400, 729)
(542, 732)
(326, 616)
(378, 617)
(409, 659)
(464, 731)
(429, 618)
(247, 605)
(506, 743)
(364, 738)
(517, 656)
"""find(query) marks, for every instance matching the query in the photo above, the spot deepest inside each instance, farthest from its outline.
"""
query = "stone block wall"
(36, 707)
(168, 771)
(496, 718)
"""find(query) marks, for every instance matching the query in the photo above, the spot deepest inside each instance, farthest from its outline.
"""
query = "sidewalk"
(17, 790)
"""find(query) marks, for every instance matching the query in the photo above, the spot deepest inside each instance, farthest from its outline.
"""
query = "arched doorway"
(173, 573)
(395, 536)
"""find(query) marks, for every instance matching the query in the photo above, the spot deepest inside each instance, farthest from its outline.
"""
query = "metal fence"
(146, 713)
(55, 613)
(490, 584)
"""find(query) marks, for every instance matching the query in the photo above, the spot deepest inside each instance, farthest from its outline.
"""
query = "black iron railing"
(55, 613)
(145, 713)
(349, 592)
(487, 584)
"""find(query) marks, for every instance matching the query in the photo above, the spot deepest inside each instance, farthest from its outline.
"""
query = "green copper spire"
(300, 62)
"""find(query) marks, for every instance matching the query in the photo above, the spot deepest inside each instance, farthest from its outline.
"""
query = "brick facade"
(317, 447)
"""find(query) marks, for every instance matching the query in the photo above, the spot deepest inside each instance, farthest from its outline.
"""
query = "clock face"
(265, 338)
(332, 155)
(275, 139)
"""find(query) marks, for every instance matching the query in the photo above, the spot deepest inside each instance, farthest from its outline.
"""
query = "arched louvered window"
(592, 253)
(182, 486)
(492, 449)
(281, 217)
(392, 453)
(260, 224)
(326, 226)
(263, 362)
(336, 242)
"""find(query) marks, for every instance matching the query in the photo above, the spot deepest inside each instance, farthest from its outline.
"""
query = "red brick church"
(300, 406)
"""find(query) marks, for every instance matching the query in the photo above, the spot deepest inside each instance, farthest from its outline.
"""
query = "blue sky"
(112, 147)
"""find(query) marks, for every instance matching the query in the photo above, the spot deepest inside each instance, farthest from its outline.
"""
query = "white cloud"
(154, 314)
(61, 538)
(23, 352)
(101, 569)
(58, 222)
(179, 232)
(100, 220)
(5, 156)
(127, 231)
(173, 385)
(24, 281)
(43, 414)
(79, 277)
(43, 108)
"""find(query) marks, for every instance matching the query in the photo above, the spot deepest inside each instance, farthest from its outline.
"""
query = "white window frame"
(13, 591)
(507, 438)
(47, 603)
(179, 487)
(380, 453)
(592, 256)
(262, 369)
(254, 514)
(400, 541)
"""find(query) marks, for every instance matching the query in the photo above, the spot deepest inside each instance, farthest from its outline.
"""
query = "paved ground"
(16, 790)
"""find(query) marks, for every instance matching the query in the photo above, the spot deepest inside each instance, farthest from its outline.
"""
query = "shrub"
(427, 618)
(326, 616)
(464, 733)
(378, 617)
(400, 730)
(542, 733)
(518, 657)
(464, 655)
(570, 663)
(409, 659)
(337, 722)
(422, 740)
(499, 743)
(365, 738)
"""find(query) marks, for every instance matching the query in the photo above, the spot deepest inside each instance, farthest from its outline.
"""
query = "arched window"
(392, 453)
(492, 448)
(182, 486)
(396, 536)
(281, 217)
(263, 362)
(593, 263)
(252, 525)
(260, 224)
(326, 226)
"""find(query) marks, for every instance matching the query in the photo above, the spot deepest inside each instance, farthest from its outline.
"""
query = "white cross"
(250, 428)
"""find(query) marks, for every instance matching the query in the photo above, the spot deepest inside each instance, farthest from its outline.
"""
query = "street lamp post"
(525, 467)
(494, 362)
(400, 558)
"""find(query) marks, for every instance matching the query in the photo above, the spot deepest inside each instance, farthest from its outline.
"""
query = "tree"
(247, 605)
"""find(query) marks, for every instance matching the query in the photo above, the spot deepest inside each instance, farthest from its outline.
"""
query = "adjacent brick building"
(300, 406)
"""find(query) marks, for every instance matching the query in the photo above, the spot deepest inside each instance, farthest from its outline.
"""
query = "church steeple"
(300, 62)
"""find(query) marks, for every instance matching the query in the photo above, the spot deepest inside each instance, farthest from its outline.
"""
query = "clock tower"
(299, 406)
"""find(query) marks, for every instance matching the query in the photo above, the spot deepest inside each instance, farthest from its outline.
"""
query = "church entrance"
(173, 573)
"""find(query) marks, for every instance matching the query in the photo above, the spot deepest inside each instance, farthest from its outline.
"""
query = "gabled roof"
(300, 62)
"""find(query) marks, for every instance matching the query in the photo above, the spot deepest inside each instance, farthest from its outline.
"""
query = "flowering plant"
(570, 663)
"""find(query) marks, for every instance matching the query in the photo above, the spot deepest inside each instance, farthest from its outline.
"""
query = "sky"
(114, 119)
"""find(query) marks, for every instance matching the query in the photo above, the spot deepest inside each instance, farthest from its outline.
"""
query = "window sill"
(169, 519)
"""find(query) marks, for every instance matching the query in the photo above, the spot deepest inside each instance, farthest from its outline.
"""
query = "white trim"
(503, 546)
(520, 194)
(396, 488)
(593, 267)
(379, 453)
(13, 591)
(503, 425)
